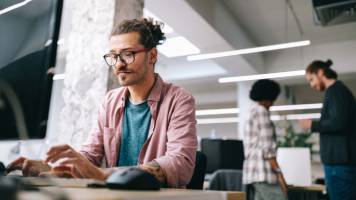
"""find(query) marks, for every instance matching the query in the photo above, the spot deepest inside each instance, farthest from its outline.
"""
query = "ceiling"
(223, 25)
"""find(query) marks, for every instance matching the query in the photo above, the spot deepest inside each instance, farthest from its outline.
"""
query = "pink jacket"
(171, 141)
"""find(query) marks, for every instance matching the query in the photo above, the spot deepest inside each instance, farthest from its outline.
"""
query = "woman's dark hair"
(316, 65)
(265, 89)
(150, 32)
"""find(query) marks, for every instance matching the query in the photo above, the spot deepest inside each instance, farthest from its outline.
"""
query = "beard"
(132, 77)
(322, 86)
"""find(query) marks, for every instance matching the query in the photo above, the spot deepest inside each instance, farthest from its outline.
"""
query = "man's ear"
(153, 56)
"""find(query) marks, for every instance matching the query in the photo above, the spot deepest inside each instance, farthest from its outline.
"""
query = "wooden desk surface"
(315, 187)
(106, 194)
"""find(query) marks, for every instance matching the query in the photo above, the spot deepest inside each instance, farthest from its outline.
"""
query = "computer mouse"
(132, 178)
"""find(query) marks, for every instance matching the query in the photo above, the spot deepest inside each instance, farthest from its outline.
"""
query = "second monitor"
(223, 154)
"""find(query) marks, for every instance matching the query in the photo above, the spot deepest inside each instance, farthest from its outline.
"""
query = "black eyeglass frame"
(119, 55)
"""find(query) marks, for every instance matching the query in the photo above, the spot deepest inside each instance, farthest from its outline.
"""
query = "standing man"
(147, 122)
(260, 169)
(336, 127)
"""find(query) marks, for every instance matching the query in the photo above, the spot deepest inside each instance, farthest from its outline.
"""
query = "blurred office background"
(200, 27)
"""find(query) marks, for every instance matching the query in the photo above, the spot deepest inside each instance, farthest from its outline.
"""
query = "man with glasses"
(146, 122)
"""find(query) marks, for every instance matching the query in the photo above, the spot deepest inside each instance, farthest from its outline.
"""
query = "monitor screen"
(223, 154)
(29, 32)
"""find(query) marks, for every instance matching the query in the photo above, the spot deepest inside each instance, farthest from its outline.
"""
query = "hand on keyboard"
(28, 167)
(71, 161)
(54, 172)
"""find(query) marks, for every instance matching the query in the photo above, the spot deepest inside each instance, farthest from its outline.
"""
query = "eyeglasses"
(126, 57)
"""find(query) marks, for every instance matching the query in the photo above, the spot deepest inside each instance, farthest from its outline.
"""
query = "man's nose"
(119, 63)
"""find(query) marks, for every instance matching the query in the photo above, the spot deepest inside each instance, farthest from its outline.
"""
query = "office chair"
(226, 180)
(197, 180)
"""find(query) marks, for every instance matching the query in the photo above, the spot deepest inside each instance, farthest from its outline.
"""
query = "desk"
(107, 194)
(314, 188)
(312, 192)
(310, 188)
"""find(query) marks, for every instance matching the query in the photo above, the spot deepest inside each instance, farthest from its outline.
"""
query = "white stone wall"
(85, 71)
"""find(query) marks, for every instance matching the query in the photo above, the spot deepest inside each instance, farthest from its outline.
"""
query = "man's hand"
(305, 123)
(280, 178)
(74, 163)
(28, 167)
(154, 168)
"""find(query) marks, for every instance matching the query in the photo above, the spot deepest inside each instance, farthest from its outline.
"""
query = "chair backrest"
(226, 180)
(197, 180)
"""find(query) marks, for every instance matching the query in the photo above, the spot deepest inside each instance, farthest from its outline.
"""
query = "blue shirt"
(135, 129)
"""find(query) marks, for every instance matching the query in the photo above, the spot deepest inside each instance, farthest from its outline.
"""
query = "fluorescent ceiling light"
(273, 108)
(262, 76)
(217, 111)
(13, 7)
(249, 50)
(225, 120)
(59, 77)
(166, 28)
(177, 46)
(218, 120)
(295, 116)
(190, 70)
(48, 42)
(297, 107)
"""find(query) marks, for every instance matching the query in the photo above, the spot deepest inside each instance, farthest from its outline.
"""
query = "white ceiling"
(214, 25)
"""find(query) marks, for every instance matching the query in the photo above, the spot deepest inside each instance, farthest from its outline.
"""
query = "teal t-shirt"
(135, 127)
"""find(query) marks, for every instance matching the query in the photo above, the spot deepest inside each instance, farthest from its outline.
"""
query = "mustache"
(122, 70)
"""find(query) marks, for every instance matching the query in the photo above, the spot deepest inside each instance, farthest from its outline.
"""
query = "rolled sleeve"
(93, 148)
(179, 161)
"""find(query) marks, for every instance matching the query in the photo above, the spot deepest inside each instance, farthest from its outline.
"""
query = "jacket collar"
(154, 95)
(156, 91)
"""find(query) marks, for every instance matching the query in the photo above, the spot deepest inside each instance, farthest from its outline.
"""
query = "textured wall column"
(244, 103)
(86, 80)
(85, 71)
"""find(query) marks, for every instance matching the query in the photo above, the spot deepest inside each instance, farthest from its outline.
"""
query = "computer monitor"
(223, 154)
(28, 45)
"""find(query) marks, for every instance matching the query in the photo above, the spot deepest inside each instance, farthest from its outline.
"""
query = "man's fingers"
(61, 168)
(67, 169)
(16, 164)
(63, 174)
(75, 165)
(58, 148)
(26, 168)
(70, 161)
(69, 153)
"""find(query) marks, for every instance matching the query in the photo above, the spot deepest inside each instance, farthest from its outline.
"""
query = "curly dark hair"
(150, 31)
(265, 89)
(314, 67)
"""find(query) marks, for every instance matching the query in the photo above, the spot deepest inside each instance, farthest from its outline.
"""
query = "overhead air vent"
(332, 12)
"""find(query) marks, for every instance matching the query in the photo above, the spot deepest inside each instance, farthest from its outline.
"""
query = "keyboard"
(61, 182)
